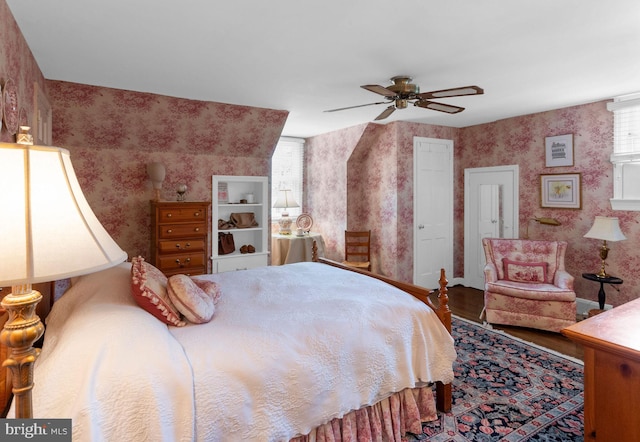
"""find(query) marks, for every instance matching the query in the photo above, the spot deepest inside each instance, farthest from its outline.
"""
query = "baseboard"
(584, 305)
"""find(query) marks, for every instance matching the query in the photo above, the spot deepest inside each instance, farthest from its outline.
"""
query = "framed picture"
(223, 193)
(559, 150)
(560, 191)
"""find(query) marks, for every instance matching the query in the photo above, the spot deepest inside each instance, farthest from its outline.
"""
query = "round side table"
(602, 281)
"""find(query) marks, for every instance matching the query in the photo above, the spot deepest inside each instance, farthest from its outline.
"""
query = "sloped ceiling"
(307, 57)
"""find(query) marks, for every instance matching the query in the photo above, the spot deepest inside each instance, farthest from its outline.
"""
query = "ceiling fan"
(402, 92)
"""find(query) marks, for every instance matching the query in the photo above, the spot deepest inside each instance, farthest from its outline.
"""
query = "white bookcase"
(227, 191)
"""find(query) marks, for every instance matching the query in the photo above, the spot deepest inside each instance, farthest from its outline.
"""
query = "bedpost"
(444, 397)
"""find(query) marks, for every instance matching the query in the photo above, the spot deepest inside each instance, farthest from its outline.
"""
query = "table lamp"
(48, 233)
(157, 173)
(285, 201)
(606, 229)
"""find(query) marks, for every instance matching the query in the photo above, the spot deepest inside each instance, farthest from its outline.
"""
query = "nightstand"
(602, 281)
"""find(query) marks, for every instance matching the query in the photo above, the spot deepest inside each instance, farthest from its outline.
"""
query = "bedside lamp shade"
(48, 232)
(284, 201)
(606, 229)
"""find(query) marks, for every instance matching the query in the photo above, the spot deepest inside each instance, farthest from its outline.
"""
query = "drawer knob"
(196, 214)
(188, 245)
(170, 231)
(169, 215)
(182, 264)
(197, 229)
(178, 246)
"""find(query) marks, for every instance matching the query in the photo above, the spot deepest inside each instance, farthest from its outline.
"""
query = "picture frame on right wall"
(561, 191)
(558, 150)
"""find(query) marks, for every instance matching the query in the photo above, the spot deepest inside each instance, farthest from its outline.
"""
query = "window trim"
(621, 156)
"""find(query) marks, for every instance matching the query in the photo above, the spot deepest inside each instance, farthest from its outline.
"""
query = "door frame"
(512, 224)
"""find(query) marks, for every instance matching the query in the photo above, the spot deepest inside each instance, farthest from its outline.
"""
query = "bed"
(306, 351)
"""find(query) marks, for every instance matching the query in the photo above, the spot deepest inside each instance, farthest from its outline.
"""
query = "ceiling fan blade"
(455, 92)
(385, 113)
(353, 107)
(439, 106)
(379, 90)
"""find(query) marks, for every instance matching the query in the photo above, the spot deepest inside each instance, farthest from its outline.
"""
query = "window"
(626, 152)
(286, 173)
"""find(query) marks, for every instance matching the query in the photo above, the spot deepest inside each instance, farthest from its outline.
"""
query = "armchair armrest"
(563, 280)
(490, 272)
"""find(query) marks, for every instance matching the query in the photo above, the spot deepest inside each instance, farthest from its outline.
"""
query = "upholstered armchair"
(527, 285)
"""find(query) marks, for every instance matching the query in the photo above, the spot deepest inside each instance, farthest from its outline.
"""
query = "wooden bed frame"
(443, 391)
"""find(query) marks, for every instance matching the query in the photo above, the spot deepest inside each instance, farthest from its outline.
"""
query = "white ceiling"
(309, 56)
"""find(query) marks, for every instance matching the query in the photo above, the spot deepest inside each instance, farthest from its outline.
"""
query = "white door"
(433, 210)
(491, 209)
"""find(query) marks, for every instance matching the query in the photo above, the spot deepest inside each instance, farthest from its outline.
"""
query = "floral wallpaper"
(18, 64)
(112, 135)
(378, 189)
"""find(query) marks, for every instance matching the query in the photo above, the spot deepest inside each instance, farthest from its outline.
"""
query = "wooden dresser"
(611, 343)
(180, 237)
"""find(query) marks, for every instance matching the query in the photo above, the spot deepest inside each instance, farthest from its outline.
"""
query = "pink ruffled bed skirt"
(389, 419)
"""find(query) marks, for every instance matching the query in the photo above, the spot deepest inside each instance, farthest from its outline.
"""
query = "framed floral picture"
(560, 191)
(559, 151)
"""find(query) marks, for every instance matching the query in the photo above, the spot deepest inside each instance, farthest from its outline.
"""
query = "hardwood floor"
(467, 303)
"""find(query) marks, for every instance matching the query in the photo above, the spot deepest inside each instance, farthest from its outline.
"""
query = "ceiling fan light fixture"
(402, 92)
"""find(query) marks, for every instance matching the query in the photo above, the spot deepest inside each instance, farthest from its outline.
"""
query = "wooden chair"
(357, 249)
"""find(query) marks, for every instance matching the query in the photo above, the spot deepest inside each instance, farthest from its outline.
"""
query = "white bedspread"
(292, 347)
(289, 348)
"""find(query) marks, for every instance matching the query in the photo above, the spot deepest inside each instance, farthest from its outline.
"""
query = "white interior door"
(491, 209)
(433, 210)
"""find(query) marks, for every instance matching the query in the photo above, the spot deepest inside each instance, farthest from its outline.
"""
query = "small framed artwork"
(560, 191)
(559, 150)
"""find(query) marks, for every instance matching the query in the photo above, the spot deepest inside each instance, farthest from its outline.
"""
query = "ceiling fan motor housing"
(403, 88)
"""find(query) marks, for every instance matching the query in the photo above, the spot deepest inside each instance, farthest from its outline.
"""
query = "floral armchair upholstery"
(527, 285)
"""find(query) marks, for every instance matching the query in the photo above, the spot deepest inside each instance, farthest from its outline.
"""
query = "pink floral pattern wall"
(18, 64)
(375, 190)
(112, 134)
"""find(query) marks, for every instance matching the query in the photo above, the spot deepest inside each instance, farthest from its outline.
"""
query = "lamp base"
(285, 224)
(21, 330)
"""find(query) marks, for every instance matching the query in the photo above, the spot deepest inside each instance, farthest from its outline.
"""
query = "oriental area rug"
(508, 390)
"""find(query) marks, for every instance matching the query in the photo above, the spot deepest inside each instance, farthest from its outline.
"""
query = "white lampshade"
(48, 231)
(285, 200)
(157, 174)
(605, 228)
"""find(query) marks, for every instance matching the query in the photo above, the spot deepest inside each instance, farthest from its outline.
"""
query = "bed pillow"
(532, 272)
(149, 289)
(210, 288)
(193, 302)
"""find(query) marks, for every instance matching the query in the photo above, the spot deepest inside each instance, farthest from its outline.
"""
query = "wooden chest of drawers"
(180, 237)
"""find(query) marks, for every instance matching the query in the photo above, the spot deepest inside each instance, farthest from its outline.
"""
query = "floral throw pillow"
(193, 302)
(149, 289)
(532, 272)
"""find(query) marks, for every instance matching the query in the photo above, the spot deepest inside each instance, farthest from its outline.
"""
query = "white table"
(286, 249)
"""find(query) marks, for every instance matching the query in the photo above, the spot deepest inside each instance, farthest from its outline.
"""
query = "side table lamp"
(285, 201)
(48, 233)
(606, 229)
